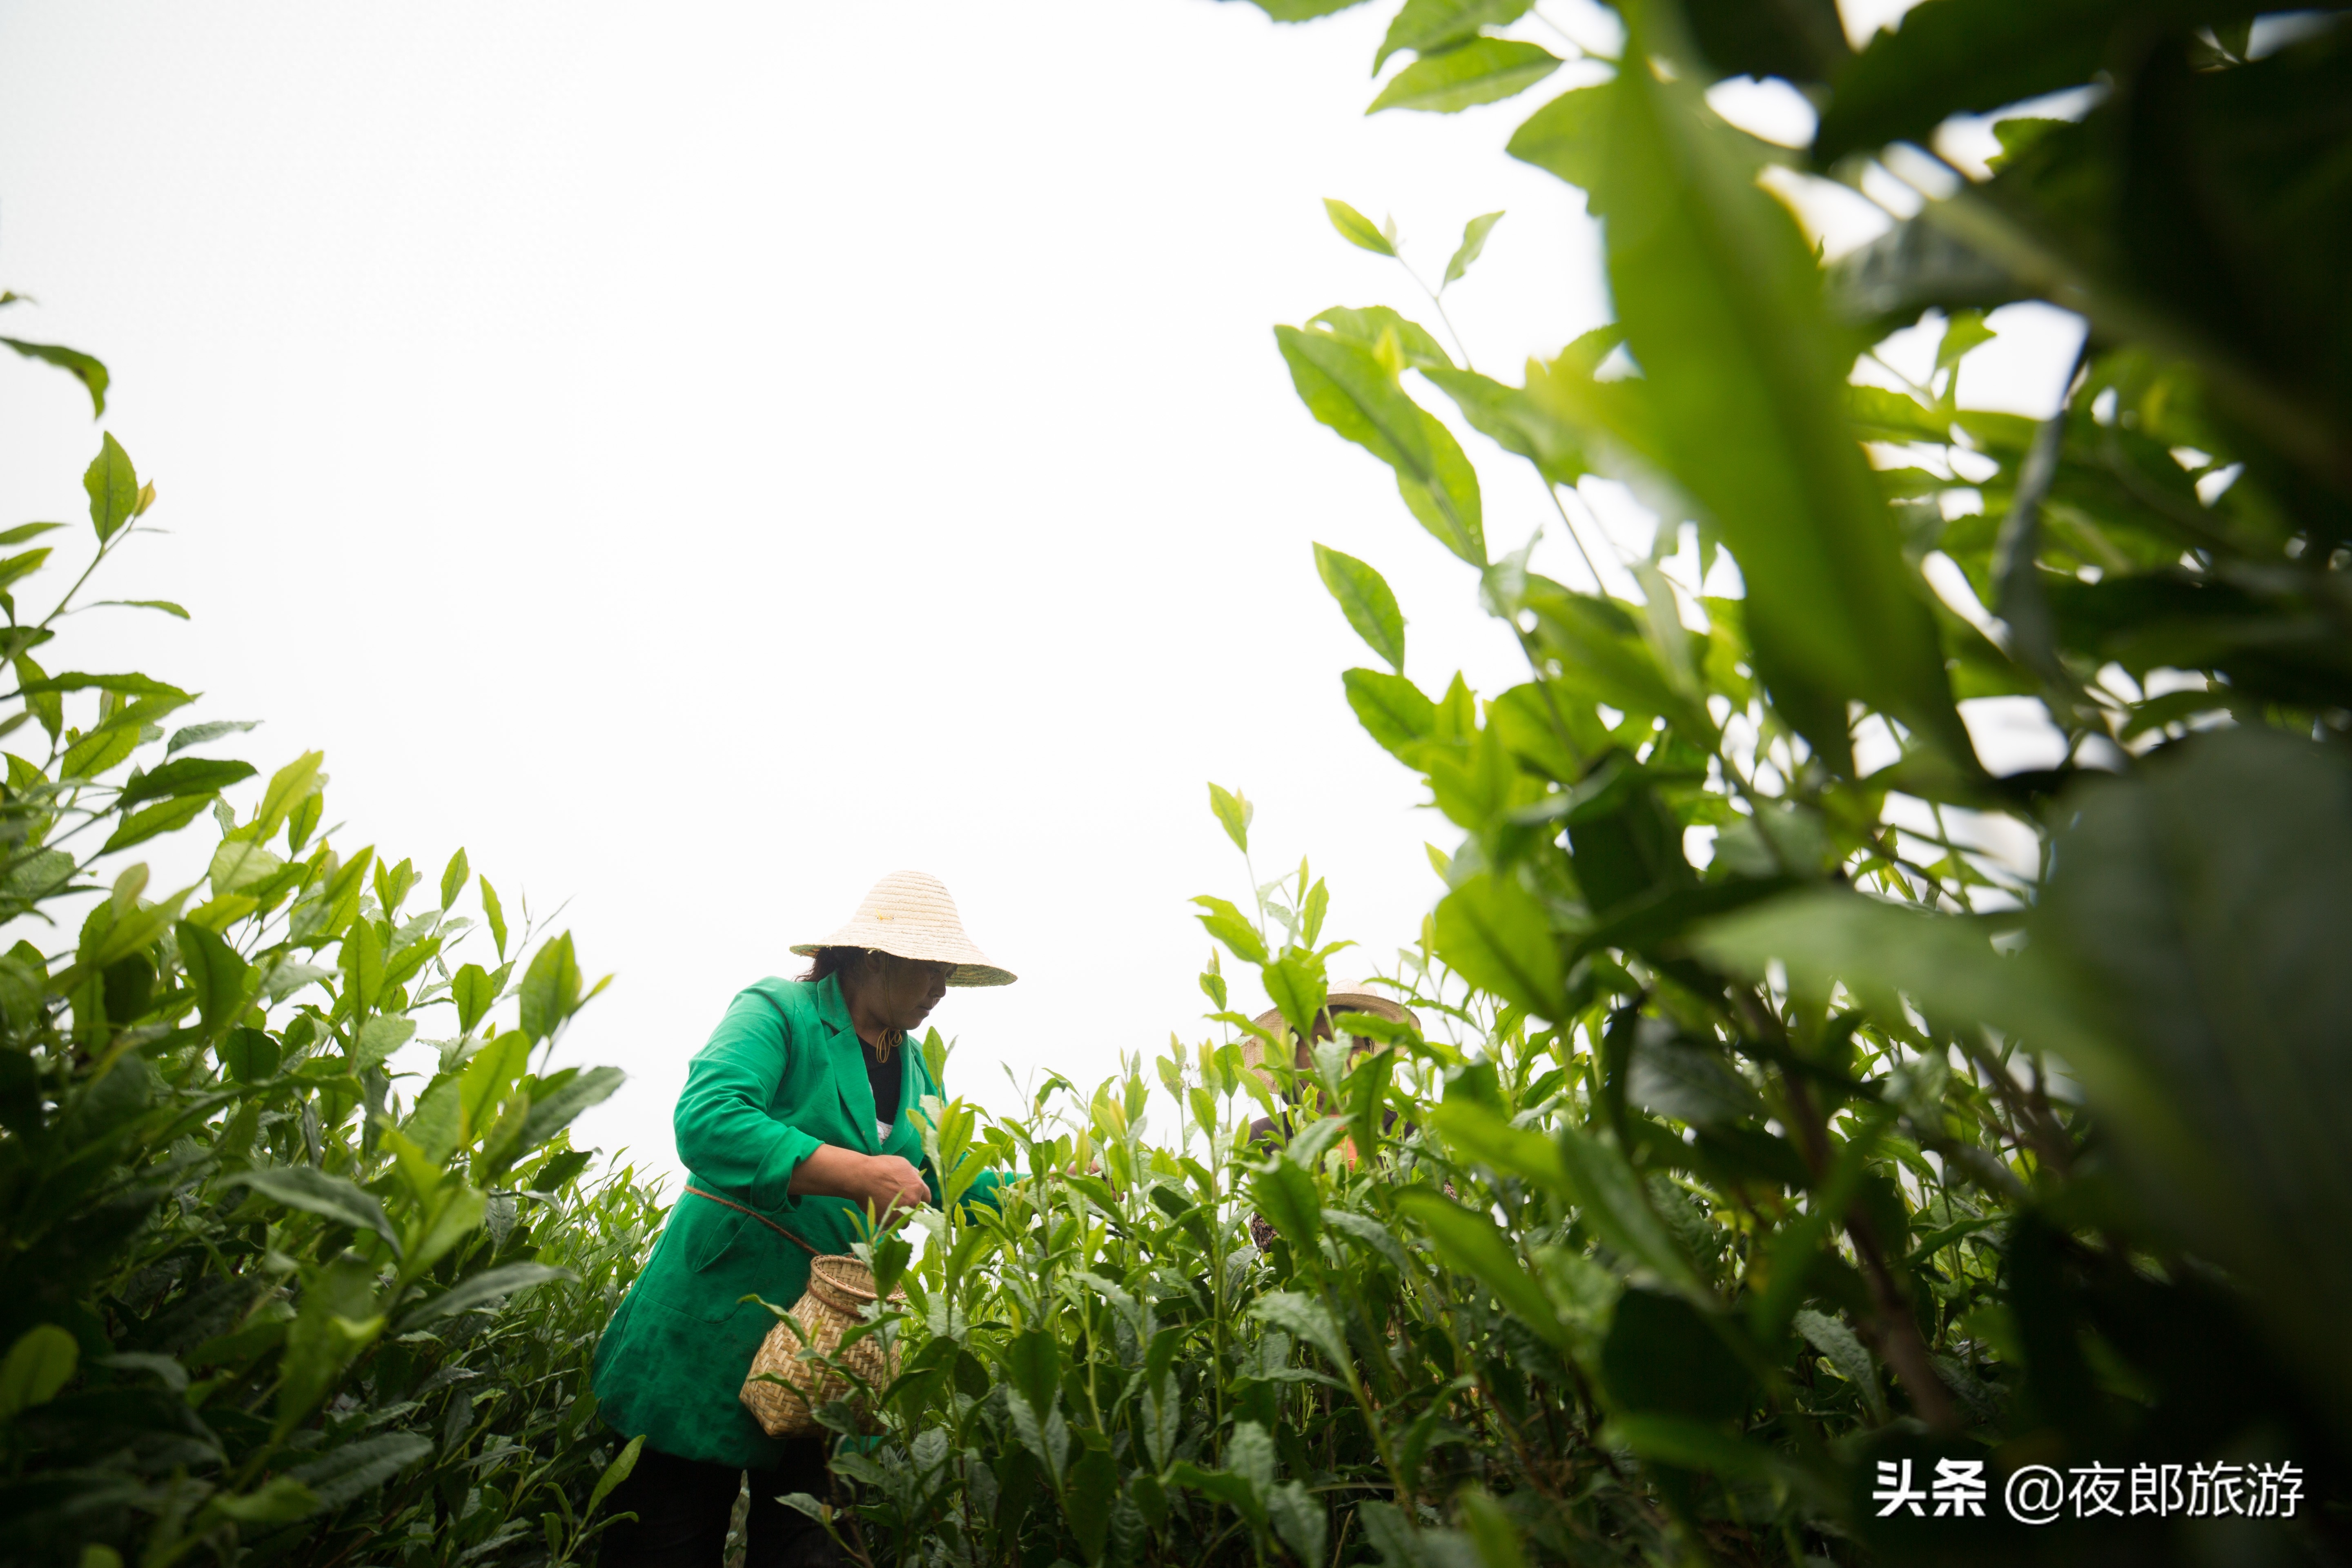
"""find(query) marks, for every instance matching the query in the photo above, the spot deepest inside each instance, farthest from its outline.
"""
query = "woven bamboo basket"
(788, 1383)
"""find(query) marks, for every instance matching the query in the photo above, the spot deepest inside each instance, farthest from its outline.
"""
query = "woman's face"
(905, 990)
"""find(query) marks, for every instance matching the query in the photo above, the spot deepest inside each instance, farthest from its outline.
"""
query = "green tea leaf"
(224, 982)
(1287, 1196)
(478, 1289)
(190, 776)
(2186, 923)
(1302, 10)
(1392, 711)
(1473, 1243)
(1033, 1363)
(1304, 1318)
(1721, 301)
(1613, 1204)
(314, 1191)
(552, 1114)
(1365, 599)
(281, 1499)
(453, 879)
(1844, 1353)
(177, 612)
(1221, 1486)
(128, 685)
(1569, 137)
(462, 1208)
(614, 1474)
(113, 488)
(100, 752)
(39, 1365)
(74, 363)
(1228, 925)
(550, 993)
(198, 735)
(361, 962)
(485, 1079)
(1296, 986)
(404, 963)
(1479, 71)
(1496, 934)
(248, 1056)
(1476, 1132)
(1474, 245)
(1960, 56)
(1346, 387)
(495, 914)
(1356, 228)
(1234, 811)
(1094, 1483)
(288, 786)
(379, 1038)
(20, 567)
(1426, 26)
(1367, 325)
(345, 1474)
(474, 993)
(1300, 1519)
(168, 817)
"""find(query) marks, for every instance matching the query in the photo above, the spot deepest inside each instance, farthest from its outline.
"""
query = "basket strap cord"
(755, 1213)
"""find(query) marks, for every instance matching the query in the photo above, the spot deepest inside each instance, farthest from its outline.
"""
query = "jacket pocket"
(691, 1264)
(713, 1242)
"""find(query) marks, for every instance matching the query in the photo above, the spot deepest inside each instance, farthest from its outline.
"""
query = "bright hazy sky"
(700, 458)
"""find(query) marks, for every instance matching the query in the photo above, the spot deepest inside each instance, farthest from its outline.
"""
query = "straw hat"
(910, 915)
(1357, 998)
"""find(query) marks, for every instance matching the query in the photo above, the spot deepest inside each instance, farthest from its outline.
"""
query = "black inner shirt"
(886, 1078)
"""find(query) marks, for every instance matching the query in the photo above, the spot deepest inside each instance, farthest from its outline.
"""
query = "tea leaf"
(1356, 228)
(81, 367)
(1426, 26)
(1478, 71)
(1474, 245)
(113, 488)
(1364, 597)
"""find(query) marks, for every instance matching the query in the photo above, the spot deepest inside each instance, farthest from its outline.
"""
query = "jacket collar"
(832, 1007)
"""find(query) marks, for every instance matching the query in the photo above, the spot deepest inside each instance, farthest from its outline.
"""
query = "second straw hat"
(910, 914)
(1342, 999)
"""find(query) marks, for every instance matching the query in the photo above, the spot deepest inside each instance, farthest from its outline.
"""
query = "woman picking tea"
(795, 1122)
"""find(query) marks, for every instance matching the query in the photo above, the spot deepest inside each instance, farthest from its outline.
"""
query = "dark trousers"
(684, 1506)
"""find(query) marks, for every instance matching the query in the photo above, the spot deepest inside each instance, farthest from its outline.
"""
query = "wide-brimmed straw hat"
(910, 915)
(1355, 997)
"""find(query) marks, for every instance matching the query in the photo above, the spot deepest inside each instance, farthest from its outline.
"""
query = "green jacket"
(783, 1074)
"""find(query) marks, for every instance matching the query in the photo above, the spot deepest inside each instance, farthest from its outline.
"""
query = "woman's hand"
(890, 1183)
(886, 1183)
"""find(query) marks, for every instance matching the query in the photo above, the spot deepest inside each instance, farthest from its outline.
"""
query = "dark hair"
(828, 961)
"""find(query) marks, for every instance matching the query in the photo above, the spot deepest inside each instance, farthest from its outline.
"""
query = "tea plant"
(1784, 1130)
(264, 1297)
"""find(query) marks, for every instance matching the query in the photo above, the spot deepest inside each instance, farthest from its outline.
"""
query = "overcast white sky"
(699, 457)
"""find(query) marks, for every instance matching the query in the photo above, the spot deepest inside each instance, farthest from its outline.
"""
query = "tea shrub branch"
(258, 1305)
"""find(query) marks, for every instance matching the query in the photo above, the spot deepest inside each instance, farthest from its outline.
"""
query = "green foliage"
(1479, 70)
(1771, 1124)
(1369, 606)
(263, 1294)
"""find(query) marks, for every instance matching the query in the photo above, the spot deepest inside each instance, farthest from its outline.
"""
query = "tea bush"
(264, 1297)
(1784, 1140)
